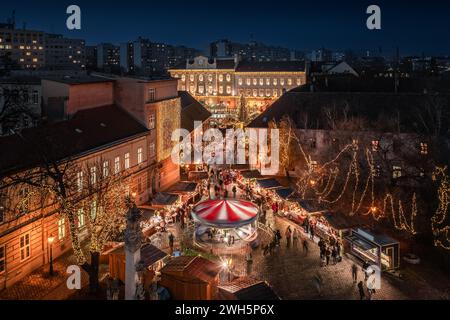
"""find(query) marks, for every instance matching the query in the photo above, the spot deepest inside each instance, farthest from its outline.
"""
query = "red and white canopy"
(225, 213)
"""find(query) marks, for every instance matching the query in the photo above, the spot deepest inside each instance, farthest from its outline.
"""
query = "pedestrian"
(295, 236)
(312, 232)
(334, 255)
(328, 254)
(288, 236)
(234, 190)
(354, 273)
(278, 237)
(318, 282)
(305, 246)
(171, 240)
(362, 294)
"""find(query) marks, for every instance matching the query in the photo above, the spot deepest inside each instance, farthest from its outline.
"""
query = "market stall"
(187, 190)
(378, 249)
(335, 224)
(227, 222)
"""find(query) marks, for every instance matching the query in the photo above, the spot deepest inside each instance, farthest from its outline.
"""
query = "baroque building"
(220, 84)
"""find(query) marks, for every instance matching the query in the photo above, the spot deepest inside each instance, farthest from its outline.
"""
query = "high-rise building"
(91, 57)
(64, 53)
(108, 56)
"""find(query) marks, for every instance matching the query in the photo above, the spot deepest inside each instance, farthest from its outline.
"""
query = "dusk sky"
(416, 27)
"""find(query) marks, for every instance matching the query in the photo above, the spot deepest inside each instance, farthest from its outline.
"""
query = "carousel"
(225, 224)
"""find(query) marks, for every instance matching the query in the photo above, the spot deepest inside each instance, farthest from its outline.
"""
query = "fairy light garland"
(439, 224)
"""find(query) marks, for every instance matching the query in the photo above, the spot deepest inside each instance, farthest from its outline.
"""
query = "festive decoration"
(439, 225)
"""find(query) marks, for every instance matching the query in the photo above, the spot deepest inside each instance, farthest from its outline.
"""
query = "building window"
(261, 81)
(183, 77)
(200, 78)
(139, 185)
(267, 81)
(289, 82)
(255, 93)
(248, 81)
(423, 148)
(210, 77)
(220, 77)
(127, 161)
(210, 89)
(25, 247)
(191, 78)
(275, 92)
(375, 145)
(61, 228)
(275, 82)
(93, 175)
(81, 221)
(35, 97)
(282, 81)
(220, 89)
(116, 165)
(151, 121)
(152, 149)
(261, 92)
(105, 169)
(2, 258)
(396, 172)
(140, 157)
(299, 81)
(151, 94)
(228, 77)
(255, 81)
(93, 210)
(228, 89)
(201, 89)
(80, 181)
(240, 81)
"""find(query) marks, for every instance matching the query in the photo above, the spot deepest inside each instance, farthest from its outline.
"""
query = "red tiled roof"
(88, 130)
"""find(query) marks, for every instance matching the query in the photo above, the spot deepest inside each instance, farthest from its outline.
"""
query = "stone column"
(133, 241)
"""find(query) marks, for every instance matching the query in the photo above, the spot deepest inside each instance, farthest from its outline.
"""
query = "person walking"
(171, 240)
(234, 190)
(318, 282)
(334, 254)
(327, 255)
(354, 273)
(362, 294)
(305, 247)
(288, 236)
(312, 232)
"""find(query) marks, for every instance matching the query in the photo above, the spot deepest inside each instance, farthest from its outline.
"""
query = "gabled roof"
(249, 289)
(193, 267)
(191, 111)
(86, 131)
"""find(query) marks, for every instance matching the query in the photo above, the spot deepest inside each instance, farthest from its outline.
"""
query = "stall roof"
(251, 174)
(310, 205)
(149, 253)
(184, 186)
(269, 183)
(196, 267)
(165, 199)
(250, 289)
(340, 221)
(378, 238)
(361, 241)
(285, 193)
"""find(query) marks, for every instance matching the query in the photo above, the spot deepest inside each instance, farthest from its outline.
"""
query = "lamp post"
(50, 240)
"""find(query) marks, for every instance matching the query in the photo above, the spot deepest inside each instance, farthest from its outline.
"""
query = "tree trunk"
(93, 272)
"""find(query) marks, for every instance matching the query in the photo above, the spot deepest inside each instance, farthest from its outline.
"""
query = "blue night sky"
(416, 27)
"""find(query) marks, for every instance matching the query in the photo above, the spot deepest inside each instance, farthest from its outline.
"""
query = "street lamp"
(312, 183)
(373, 209)
(50, 240)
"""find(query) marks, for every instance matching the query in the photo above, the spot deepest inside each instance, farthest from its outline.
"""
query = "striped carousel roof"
(225, 213)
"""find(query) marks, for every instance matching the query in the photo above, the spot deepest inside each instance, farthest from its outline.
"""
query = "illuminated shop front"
(378, 249)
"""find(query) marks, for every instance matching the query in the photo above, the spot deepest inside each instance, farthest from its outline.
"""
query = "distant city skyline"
(413, 27)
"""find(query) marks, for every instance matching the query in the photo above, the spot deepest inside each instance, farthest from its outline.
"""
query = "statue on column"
(140, 283)
(133, 242)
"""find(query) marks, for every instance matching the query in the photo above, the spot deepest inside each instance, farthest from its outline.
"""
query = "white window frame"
(140, 155)
(61, 228)
(24, 247)
(152, 149)
(126, 162)
(116, 165)
(93, 175)
(81, 218)
(93, 210)
(151, 121)
(105, 169)
(151, 94)
(80, 181)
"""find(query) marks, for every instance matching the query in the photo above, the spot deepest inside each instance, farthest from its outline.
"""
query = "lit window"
(61, 228)
(127, 161)
(255, 81)
(375, 145)
(248, 81)
(261, 81)
(80, 181)
(105, 169)
(210, 89)
(25, 247)
(268, 92)
(228, 77)
(240, 81)
(282, 81)
(200, 77)
(210, 77)
(81, 220)
(151, 121)
(183, 77)
(116, 165)
(191, 77)
(151, 94)
(220, 89)
(220, 77)
(261, 92)
(396, 172)
(267, 81)
(93, 175)
(140, 156)
(228, 89)
(255, 92)
(289, 82)
(423, 148)
(275, 92)
(2, 258)
(201, 89)
(275, 82)
(299, 81)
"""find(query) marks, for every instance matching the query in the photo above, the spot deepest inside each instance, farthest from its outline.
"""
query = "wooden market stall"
(152, 257)
(188, 191)
(335, 224)
(246, 288)
(191, 278)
